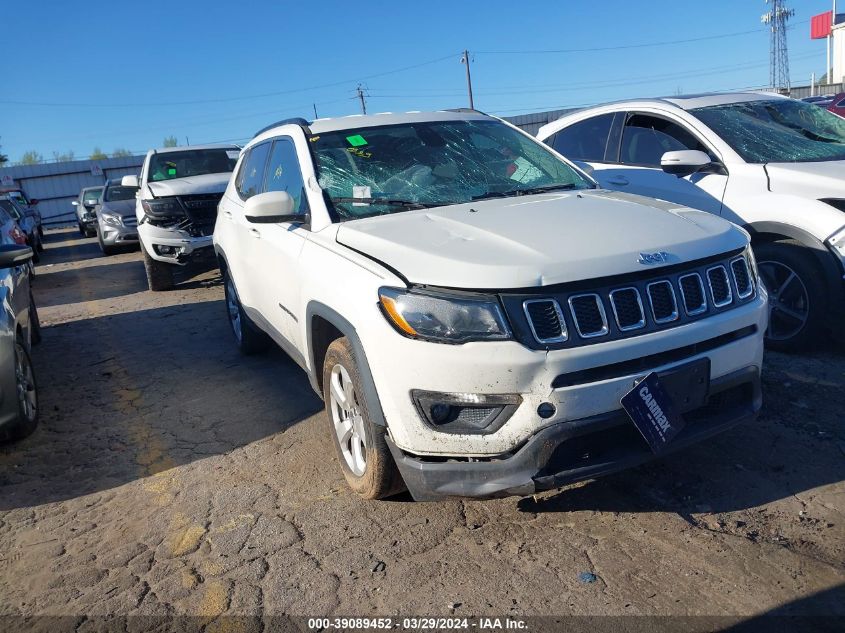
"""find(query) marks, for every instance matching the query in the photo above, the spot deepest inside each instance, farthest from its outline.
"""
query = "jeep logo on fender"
(660, 257)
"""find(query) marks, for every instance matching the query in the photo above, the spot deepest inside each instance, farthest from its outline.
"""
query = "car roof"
(360, 121)
(188, 148)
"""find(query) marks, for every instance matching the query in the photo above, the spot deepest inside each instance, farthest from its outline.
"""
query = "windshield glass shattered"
(388, 169)
(170, 165)
(777, 131)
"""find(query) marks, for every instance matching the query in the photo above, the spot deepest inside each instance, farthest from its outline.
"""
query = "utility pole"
(361, 97)
(465, 60)
(829, 41)
(776, 19)
(315, 111)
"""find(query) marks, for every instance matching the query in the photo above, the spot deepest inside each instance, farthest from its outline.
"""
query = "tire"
(248, 337)
(40, 230)
(40, 242)
(34, 322)
(159, 274)
(27, 394)
(36, 256)
(797, 295)
(361, 447)
(82, 230)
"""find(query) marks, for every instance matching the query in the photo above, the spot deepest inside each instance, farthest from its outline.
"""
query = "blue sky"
(91, 74)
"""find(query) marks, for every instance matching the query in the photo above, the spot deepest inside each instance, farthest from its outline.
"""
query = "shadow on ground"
(129, 395)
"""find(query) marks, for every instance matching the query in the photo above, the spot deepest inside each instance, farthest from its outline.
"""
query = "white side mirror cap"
(75, 203)
(129, 181)
(270, 207)
(684, 162)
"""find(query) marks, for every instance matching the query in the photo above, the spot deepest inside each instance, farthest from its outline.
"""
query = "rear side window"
(283, 174)
(585, 140)
(646, 138)
(251, 175)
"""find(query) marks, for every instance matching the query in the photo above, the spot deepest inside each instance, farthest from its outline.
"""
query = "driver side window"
(251, 175)
(646, 138)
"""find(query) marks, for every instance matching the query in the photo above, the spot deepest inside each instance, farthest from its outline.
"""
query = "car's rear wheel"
(26, 392)
(796, 295)
(159, 274)
(248, 337)
(361, 447)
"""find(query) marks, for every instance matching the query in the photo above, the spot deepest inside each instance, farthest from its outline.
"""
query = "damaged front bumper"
(577, 450)
(173, 246)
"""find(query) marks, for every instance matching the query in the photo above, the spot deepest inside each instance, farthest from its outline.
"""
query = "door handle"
(618, 180)
(255, 233)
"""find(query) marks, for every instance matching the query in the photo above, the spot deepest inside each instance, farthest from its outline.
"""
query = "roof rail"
(469, 110)
(298, 120)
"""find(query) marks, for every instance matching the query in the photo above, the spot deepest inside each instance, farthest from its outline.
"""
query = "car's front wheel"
(105, 249)
(797, 302)
(159, 274)
(361, 447)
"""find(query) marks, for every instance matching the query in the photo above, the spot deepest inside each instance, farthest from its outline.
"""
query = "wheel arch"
(324, 325)
(831, 269)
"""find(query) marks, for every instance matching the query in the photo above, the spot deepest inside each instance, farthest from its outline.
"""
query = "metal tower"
(776, 19)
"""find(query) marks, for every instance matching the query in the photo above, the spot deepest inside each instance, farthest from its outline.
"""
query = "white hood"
(816, 180)
(206, 183)
(537, 240)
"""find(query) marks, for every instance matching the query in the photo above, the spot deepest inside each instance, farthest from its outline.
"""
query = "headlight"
(752, 264)
(163, 208)
(444, 319)
(109, 217)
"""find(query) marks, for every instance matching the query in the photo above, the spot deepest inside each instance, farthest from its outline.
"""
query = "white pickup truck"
(176, 206)
(479, 317)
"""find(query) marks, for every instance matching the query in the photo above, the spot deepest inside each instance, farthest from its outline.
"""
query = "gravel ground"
(170, 475)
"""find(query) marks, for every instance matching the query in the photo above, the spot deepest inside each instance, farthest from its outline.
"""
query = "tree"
(31, 158)
(98, 154)
(3, 157)
(170, 141)
(61, 157)
(121, 152)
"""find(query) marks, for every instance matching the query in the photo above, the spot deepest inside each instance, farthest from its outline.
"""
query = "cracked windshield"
(387, 169)
(782, 131)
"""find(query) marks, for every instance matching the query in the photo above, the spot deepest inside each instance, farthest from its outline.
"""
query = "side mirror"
(129, 181)
(684, 162)
(75, 203)
(272, 207)
(14, 255)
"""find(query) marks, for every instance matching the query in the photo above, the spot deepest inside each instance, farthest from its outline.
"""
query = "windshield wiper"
(392, 202)
(525, 192)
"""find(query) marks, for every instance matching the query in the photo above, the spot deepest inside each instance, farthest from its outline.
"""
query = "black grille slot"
(588, 312)
(742, 277)
(546, 320)
(720, 287)
(662, 297)
(692, 289)
(628, 308)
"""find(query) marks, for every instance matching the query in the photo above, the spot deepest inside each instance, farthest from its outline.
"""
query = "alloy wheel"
(789, 301)
(234, 309)
(25, 382)
(348, 420)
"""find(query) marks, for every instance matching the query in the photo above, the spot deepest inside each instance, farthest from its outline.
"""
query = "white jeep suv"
(771, 164)
(475, 313)
(176, 205)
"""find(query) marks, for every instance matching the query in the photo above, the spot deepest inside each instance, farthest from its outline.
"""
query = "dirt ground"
(170, 475)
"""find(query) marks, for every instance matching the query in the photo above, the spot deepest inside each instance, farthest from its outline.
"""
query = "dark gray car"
(116, 222)
(88, 199)
(19, 330)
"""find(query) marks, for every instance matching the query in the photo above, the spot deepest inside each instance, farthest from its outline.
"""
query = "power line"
(228, 99)
(627, 46)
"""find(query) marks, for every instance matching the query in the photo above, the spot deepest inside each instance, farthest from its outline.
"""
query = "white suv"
(475, 313)
(176, 205)
(771, 164)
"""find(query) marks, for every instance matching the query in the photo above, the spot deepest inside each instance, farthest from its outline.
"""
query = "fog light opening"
(465, 412)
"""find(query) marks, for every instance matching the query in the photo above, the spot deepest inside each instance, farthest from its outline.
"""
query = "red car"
(837, 106)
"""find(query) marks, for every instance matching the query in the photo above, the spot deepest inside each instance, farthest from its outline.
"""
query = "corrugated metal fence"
(56, 185)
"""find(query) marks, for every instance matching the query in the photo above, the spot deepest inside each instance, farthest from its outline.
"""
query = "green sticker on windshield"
(356, 140)
(171, 171)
